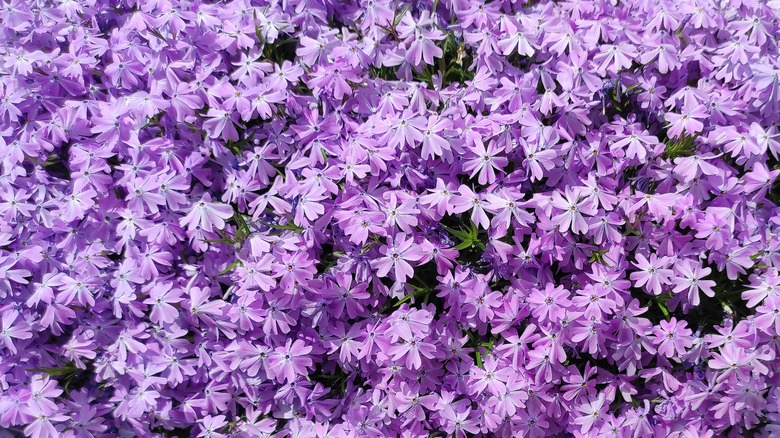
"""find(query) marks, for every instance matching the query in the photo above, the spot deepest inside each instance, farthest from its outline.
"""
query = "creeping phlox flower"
(375, 218)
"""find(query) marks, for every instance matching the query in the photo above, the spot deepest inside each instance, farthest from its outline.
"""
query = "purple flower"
(461, 423)
(207, 215)
(389, 219)
(672, 337)
(573, 208)
(591, 414)
(290, 360)
(550, 303)
(396, 257)
(13, 328)
(690, 280)
(485, 162)
(653, 273)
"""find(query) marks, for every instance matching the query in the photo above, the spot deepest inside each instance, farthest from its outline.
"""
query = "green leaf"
(683, 146)
(242, 227)
(223, 240)
(367, 247)
(156, 34)
(399, 16)
(462, 235)
(598, 257)
(288, 226)
(473, 230)
(231, 267)
(417, 292)
(64, 370)
(663, 308)
(632, 87)
(257, 28)
(463, 245)
(408, 297)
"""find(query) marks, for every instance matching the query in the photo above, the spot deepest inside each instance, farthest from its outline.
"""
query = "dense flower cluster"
(321, 218)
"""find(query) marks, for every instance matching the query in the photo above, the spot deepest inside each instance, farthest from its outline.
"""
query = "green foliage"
(230, 267)
(69, 376)
(476, 342)
(279, 50)
(328, 258)
(63, 371)
(598, 257)
(453, 66)
(173, 433)
(54, 165)
(468, 236)
(682, 146)
(386, 73)
(400, 15)
(661, 303)
(418, 291)
(289, 226)
(239, 146)
(239, 236)
(335, 380)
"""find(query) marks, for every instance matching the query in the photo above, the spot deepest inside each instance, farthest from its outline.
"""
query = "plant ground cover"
(389, 218)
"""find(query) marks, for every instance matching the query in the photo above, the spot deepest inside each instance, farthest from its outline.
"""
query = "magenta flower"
(210, 425)
(200, 306)
(734, 363)
(461, 424)
(441, 197)
(401, 213)
(715, 229)
(769, 315)
(76, 204)
(344, 295)
(222, 124)
(492, 378)
(657, 204)
(406, 131)
(433, 143)
(539, 160)
(42, 424)
(482, 304)
(346, 342)
(309, 206)
(42, 389)
(421, 43)
(409, 323)
(412, 351)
